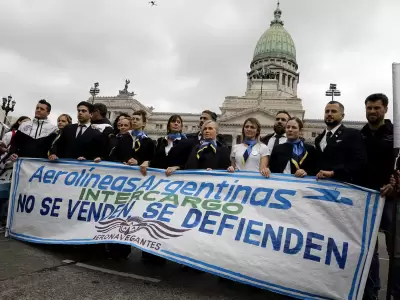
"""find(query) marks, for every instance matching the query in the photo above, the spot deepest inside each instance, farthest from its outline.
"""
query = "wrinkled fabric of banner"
(299, 237)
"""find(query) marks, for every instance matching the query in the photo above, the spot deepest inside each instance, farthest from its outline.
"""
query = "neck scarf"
(298, 147)
(207, 144)
(140, 135)
(299, 153)
(246, 154)
(176, 136)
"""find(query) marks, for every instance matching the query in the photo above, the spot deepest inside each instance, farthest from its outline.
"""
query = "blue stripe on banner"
(371, 230)
(16, 181)
(241, 275)
(373, 219)
(201, 172)
(364, 231)
(48, 240)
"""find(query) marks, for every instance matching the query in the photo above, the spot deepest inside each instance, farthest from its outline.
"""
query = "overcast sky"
(188, 55)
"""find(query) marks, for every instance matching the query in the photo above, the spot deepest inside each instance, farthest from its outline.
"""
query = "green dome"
(276, 42)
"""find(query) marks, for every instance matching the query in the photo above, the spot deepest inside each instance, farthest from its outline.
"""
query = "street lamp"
(94, 91)
(263, 72)
(8, 105)
(332, 92)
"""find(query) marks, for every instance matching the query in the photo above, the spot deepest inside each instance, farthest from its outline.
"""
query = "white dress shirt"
(271, 142)
(170, 145)
(323, 142)
(84, 127)
(253, 162)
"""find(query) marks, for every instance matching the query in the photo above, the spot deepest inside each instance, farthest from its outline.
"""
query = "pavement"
(33, 271)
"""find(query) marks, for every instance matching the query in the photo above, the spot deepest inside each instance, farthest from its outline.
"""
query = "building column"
(234, 136)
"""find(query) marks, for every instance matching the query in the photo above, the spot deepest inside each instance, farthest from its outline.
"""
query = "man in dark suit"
(279, 135)
(341, 153)
(80, 141)
(196, 138)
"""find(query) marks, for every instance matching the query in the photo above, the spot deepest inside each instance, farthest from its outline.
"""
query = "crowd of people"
(363, 157)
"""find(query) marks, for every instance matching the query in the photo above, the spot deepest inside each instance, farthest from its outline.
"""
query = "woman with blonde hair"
(63, 120)
(210, 154)
(251, 154)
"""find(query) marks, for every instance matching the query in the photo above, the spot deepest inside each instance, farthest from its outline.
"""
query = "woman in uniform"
(210, 154)
(251, 154)
(293, 157)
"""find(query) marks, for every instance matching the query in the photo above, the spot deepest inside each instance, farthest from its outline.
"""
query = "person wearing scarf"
(122, 143)
(172, 151)
(210, 154)
(142, 146)
(250, 155)
(295, 156)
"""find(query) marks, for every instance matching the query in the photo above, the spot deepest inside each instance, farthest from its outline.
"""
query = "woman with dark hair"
(294, 156)
(143, 146)
(251, 154)
(173, 150)
(13, 130)
(117, 120)
(63, 120)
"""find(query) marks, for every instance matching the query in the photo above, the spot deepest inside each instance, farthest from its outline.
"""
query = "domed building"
(271, 86)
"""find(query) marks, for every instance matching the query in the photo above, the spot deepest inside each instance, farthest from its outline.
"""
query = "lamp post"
(8, 105)
(94, 91)
(263, 73)
(332, 92)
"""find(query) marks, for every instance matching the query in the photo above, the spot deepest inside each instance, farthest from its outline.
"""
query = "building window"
(194, 128)
(186, 128)
(293, 84)
(284, 79)
(288, 80)
(314, 134)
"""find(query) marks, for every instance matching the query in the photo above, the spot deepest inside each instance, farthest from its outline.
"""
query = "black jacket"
(216, 161)
(177, 155)
(144, 152)
(266, 138)
(282, 154)
(196, 138)
(102, 121)
(381, 157)
(124, 149)
(33, 139)
(344, 154)
(121, 147)
(89, 145)
(104, 126)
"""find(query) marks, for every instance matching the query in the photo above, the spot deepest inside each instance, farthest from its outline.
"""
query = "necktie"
(80, 132)
(246, 154)
(277, 137)
(328, 135)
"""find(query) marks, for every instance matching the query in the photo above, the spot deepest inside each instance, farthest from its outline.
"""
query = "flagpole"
(396, 138)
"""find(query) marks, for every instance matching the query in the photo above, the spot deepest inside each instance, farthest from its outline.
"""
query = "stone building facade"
(271, 86)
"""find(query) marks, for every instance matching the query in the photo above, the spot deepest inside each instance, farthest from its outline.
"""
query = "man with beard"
(340, 150)
(205, 116)
(377, 135)
(279, 135)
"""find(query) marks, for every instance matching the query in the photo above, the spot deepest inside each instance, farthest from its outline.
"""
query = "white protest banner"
(299, 237)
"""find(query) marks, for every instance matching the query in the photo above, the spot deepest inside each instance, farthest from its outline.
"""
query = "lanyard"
(298, 164)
